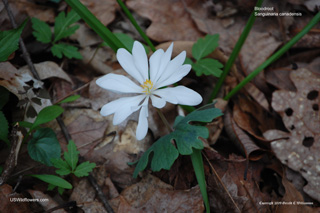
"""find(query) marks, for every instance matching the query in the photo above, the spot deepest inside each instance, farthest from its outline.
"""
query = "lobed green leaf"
(69, 51)
(72, 155)
(207, 66)
(186, 136)
(62, 166)
(42, 30)
(62, 24)
(205, 46)
(84, 168)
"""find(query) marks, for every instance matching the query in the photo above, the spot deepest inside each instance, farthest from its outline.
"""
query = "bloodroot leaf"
(44, 146)
(186, 137)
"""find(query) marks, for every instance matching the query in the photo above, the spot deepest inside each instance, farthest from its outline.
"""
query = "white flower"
(163, 72)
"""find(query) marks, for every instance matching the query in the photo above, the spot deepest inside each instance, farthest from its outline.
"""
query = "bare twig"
(224, 187)
(27, 58)
(25, 53)
(15, 139)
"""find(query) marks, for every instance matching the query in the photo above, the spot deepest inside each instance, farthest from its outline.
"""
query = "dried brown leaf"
(104, 10)
(40, 11)
(49, 203)
(300, 114)
(280, 79)
(292, 197)
(153, 195)
(7, 205)
(245, 193)
(48, 69)
(170, 20)
(241, 140)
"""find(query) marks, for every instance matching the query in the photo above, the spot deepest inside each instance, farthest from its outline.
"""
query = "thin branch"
(25, 53)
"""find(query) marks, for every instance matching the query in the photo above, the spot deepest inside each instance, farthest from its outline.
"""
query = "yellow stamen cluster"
(147, 86)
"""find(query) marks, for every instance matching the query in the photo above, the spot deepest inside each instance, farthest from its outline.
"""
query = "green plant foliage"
(62, 166)
(72, 155)
(47, 114)
(42, 30)
(69, 165)
(186, 137)
(62, 28)
(69, 51)
(207, 66)
(84, 168)
(4, 130)
(54, 181)
(9, 41)
(44, 146)
(204, 46)
(1, 169)
(70, 99)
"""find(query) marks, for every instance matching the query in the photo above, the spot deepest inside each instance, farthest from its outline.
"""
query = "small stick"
(25, 53)
(224, 187)
(11, 159)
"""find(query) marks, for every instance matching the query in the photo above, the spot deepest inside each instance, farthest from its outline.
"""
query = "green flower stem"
(197, 164)
(96, 25)
(135, 24)
(234, 53)
(275, 56)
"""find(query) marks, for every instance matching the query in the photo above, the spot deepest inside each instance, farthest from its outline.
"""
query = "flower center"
(147, 86)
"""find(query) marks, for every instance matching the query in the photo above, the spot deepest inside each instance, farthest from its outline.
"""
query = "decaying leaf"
(241, 140)
(245, 193)
(299, 148)
(25, 87)
(9, 203)
(42, 12)
(47, 203)
(104, 10)
(170, 20)
(48, 69)
(153, 195)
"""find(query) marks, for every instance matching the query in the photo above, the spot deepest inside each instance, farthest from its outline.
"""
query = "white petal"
(142, 127)
(127, 62)
(140, 59)
(113, 106)
(165, 59)
(175, 77)
(155, 60)
(172, 67)
(180, 95)
(157, 102)
(118, 83)
(122, 112)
